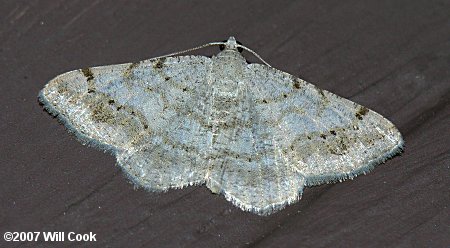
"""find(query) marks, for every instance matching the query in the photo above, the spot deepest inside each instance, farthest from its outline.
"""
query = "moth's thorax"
(232, 54)
(228, 71)
(228, 84)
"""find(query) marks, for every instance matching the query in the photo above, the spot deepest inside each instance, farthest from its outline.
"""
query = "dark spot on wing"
(342, 145)
(296, 84)
(133, 65)
(361, 112)
(88, 73)
(339, 147)
(264, 101)
(118, 108)
(89, 77)
(309, 137)
(184, 89)
(159, 63)
(111, 101)
(320, 91)
(323, 136)
(62, 87)
(284, 95)
(333, 132)
(102, 113)
(167, 78)
(130, 68)
(324, 101)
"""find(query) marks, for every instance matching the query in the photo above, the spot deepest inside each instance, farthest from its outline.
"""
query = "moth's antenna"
(254, 53)
(191, 49)
(213, 44)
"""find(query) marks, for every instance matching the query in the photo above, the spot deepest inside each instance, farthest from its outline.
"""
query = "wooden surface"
(391, 56)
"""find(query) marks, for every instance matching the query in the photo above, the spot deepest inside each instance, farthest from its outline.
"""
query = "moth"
(248, 131)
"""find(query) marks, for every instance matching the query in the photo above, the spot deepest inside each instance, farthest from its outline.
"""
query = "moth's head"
(231, 44)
